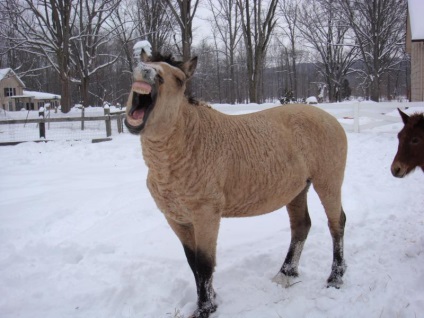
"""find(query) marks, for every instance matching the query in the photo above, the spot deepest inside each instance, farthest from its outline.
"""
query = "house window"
(9, 91)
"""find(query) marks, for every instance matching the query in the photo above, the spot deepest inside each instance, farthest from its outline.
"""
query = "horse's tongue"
(141, 87)
(138, 114)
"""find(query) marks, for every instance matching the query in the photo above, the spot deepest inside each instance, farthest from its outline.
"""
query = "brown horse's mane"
(169, 59)
(416, 120)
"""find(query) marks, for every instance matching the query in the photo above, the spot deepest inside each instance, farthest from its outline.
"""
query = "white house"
(13, 95)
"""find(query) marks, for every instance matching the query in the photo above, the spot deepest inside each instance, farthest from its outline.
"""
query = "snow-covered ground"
(80, 236)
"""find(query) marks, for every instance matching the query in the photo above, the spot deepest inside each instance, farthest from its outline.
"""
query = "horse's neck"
(176, 143)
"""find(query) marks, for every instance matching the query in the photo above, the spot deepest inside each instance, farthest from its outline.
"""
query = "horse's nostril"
(396, 171)
(146, 72)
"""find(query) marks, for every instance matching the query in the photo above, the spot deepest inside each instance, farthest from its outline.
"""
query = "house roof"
(41, 95)
(7, 72)
(415, 10)
(37, 95)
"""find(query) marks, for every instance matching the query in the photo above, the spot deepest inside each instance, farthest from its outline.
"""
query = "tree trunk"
(85, 81)
(65, 95)
(375, 90)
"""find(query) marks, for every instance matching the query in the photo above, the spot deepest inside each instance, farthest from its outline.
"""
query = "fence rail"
(354, 116)
(97, 127)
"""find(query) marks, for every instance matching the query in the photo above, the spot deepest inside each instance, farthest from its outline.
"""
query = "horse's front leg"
(206, 227)
(199, 242)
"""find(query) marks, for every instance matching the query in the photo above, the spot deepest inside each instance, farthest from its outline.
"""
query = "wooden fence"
(44, 121)
(354, 117)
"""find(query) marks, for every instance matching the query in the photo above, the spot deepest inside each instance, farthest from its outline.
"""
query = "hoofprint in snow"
(81, 237)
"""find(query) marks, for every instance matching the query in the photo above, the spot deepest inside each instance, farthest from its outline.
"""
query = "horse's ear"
(404, 116)
(189, 67)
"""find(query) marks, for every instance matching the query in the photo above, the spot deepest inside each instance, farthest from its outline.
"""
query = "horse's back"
(317, 134)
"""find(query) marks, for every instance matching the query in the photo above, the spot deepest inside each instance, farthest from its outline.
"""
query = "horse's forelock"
(416, 120)
(169, 59)
(166, 58)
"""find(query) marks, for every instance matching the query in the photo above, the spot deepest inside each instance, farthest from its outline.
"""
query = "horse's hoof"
(335, 281)
(204, 312)
(284, 280)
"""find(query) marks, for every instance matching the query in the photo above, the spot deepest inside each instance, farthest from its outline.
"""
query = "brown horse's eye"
(415, 140)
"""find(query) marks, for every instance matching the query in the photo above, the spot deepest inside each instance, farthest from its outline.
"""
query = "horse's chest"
(172, 198)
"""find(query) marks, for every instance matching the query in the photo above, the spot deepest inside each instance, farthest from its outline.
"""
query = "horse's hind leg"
(300, 223)
(331, 200)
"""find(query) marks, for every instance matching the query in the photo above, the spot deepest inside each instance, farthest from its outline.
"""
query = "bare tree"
(227, 25)
(324, 29)
(184, 12)
(125, 25)
(257, 26)
(379, 27)
(289, 10)
(43, 28)
(155, 24)
(89, 34)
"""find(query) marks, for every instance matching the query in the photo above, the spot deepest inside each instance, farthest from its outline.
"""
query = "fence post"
(42, 125)
(82, 117)
(107, 121)
(356, 117)
(119, 122)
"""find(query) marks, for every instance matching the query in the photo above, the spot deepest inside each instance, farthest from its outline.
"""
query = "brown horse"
(204, 165)
(410, 154)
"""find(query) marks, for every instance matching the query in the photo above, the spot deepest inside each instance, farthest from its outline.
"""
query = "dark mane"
(167, 58)
(416, 119)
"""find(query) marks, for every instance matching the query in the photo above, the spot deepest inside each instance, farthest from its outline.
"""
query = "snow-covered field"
(81, 237)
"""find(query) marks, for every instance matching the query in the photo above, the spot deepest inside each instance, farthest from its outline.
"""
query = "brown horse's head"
(157, 92)
(410, 154)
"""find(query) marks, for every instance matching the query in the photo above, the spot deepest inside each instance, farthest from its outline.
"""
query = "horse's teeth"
(141, 92)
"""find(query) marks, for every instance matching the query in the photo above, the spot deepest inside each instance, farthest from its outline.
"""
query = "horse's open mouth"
(143, 101)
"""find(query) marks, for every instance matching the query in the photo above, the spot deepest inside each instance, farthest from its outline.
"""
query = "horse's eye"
(415, 140)
(179, 81)
(160, 79)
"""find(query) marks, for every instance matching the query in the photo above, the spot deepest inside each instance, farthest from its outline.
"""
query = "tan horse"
(410, 154)
(204, 165)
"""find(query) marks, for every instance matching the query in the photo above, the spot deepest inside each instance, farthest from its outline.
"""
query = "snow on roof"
(416, 10)
(4, 73)
(40, 95)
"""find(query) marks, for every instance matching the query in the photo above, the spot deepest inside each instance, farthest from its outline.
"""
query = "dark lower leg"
(300, 223)
(339, 267)
(191, 259)
(205, 292)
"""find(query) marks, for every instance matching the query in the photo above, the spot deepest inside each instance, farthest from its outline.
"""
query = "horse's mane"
(169, 59)
(416, 120)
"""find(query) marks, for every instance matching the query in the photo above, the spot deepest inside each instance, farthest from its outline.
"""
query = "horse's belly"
(262, 202)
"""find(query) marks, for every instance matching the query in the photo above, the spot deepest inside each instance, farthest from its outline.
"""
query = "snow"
(40, 95)
(416, 9)
(81, 237)
(311, 100)
(4, 72)
(140, 46)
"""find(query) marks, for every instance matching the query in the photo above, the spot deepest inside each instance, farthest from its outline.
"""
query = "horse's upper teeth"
(141, 91)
